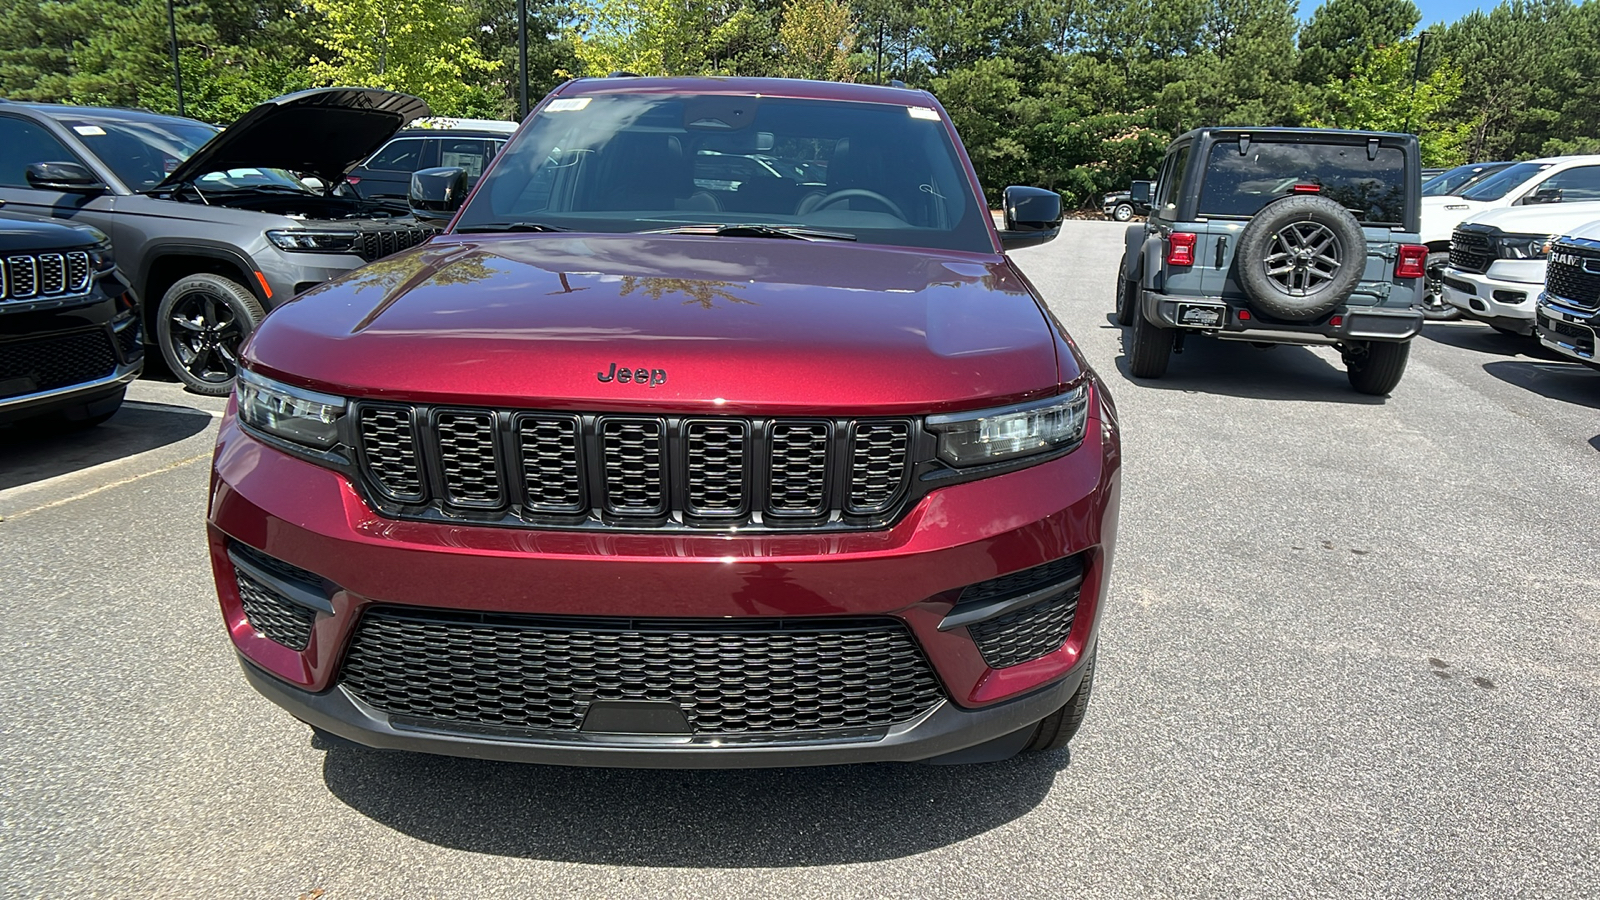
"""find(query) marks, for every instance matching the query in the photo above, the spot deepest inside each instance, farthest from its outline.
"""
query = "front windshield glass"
(144, 152)
(1503, 182)
(1457, 179)
(885, 173)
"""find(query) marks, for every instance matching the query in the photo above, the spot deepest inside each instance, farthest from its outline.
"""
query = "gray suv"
(1279, 236)
(213, 228)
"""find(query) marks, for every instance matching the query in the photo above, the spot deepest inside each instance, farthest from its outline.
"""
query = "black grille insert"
(59, 360)
(1032, 631)
(781, 678)
(276, 618)
(1578, 284)
(1471, 251)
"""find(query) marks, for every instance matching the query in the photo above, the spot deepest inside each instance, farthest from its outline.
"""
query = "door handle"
(1222, 243)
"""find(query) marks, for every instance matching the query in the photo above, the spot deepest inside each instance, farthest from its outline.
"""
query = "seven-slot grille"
(1470, 251)
(41, 276)
(376, 243)
(755, 677)
(1578, 284)
(548, 468)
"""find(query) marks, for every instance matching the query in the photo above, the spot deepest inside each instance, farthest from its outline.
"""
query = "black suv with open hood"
(213, 227)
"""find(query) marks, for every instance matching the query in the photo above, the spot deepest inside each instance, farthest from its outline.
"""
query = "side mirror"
(68, 177)
(1033, 216)
(1544, 195)
(1140, 192)
(437, 193)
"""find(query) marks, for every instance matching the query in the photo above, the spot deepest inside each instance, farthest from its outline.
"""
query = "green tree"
(1378, 96)
(816, 37)
(1341, 32)
(420, 47)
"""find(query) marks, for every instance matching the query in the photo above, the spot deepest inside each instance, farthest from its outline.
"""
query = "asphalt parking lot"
(1353, 647)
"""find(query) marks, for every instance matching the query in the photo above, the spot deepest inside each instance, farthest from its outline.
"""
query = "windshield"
(884, 173)
(1239, 184)
(1458, 179)
(143, 153)
(1503, 182)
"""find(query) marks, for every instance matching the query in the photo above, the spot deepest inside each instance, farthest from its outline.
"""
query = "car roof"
(792, 88)
(1588, 159)
(1305, 132)
(65, 111)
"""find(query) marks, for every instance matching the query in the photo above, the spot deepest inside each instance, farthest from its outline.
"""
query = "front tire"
(1056, 730)
(1123, 212)
(1150, 347)
(1375, 367)
(1127, 300)
(201, 322)
(1433, 307)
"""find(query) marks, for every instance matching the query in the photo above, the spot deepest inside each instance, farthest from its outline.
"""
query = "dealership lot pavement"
(1353, 647)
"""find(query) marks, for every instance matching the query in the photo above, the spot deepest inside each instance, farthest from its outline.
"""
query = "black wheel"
(1123, 212)
(201, 323)
(1301, 257)
(1127, 297)
(1375, 367)
(1149, 347)
(1055, 730)
(1433, 307)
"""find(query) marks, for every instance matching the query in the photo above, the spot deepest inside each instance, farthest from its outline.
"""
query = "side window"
(471, 154)
(1581, 183)
(1172, 183)
(23, 143)
(403, 155)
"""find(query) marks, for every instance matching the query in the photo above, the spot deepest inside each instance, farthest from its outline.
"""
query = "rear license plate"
(1196, 316)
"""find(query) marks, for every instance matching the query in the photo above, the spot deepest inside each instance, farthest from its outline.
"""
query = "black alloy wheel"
(201, 323)
(1432, 305)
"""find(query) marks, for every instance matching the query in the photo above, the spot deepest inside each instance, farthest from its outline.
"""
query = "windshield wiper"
(758, 230)
(509, 226)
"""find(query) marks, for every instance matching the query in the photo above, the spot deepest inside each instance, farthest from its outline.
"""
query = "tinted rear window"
(1239, 184)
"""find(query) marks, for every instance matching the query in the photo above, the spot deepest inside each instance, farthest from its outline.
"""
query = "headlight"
(1523, 246)
(296, 415)
(313, 241)
(992, 435)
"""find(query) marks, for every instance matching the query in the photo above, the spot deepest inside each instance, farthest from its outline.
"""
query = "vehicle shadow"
(1237, 369)
(714, 819)
(1568, 382)
(35, 450)
(1480, 338)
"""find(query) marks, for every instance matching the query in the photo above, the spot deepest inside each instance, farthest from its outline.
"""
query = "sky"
(1433, 11)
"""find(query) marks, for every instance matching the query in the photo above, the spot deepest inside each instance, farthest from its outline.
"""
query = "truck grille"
(548, 469)
(782, 678)
(376, 243)
(31, 365)
(1470, 251)
(41, 276)
(1577, 282)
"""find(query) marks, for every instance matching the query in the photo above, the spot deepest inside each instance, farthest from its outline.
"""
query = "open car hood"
(323, 132)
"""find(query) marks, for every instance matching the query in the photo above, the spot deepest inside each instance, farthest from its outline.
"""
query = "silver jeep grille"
(44, 276)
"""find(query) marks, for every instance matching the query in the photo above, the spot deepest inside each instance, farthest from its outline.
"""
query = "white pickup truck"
(1497, 261)
(1568, 315)
(1558, 179)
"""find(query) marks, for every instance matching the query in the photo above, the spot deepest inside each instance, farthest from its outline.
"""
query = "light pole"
(177, 75)
(522, 59)
(1416, 75)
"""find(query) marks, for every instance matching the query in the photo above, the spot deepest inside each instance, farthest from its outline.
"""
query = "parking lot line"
(94, 490)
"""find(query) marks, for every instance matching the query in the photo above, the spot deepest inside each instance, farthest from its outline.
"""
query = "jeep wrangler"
(1279, 236)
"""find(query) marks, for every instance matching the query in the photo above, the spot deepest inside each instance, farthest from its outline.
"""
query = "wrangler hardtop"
(1279, 236)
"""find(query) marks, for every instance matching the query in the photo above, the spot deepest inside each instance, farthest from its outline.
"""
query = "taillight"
(1307, 188)
(353, 179)
(1412, 261)
(1180, 248)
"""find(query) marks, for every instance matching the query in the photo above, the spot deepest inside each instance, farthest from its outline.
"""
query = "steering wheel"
(847, 193)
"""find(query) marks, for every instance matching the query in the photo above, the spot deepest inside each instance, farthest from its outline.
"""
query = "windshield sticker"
(923, 112)
(88, 130)
(567, 104)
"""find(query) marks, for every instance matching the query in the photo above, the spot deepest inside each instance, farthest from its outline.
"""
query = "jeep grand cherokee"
(626, 470)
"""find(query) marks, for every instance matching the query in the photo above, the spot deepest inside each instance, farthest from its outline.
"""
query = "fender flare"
(158, 249)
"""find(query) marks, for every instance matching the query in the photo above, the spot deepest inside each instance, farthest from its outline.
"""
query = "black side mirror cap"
(1033, 216)
(68, 177)
(1544, 195)
(1139, 192)
(436, 194)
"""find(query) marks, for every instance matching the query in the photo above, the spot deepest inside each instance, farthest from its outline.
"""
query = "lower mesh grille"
(758, 677)
(275, 617)
(60, 360)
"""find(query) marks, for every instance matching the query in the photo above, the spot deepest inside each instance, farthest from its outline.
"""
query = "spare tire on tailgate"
(1300, 257)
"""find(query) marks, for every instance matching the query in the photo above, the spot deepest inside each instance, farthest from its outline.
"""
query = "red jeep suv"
(716, 430)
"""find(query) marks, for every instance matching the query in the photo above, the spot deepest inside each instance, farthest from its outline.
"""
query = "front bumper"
(1568, 329)
(312, 518)
(1494, 299)
(81, 356)
(1230, 320)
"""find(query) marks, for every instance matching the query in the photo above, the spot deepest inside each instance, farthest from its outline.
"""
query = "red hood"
(767, 325)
